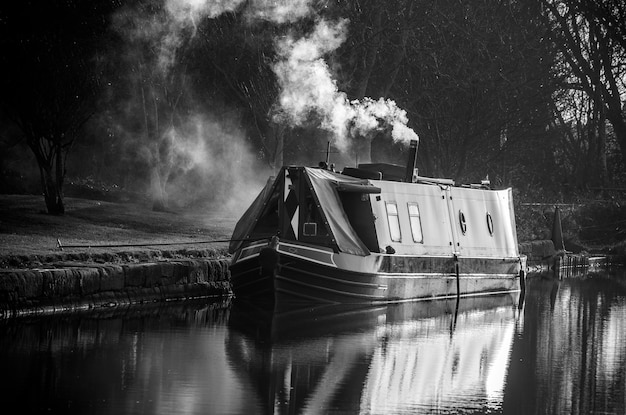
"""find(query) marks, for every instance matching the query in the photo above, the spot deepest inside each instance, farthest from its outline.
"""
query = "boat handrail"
(432, 180)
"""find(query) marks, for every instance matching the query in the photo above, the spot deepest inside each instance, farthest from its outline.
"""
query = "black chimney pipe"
(412, 161)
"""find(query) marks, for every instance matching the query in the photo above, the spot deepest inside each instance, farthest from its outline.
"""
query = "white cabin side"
(489, 222)
(437, 220)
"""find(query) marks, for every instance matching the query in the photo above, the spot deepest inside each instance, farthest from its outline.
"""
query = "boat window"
(416, 224)
(490, 223)
(309, 229)
(313, 229)
(394, 221)
(462, 222)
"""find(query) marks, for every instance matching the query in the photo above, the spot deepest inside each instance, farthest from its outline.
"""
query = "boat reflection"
(404, 358)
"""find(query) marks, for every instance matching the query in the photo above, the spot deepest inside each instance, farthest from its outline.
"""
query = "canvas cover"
(325, 186)
(249, 218)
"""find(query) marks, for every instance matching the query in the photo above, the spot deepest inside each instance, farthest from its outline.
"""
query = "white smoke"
(184, 15)
(278, 11)
(189, 12)
(210, 155)
(308, 88)
(373, 115)
(198, 157)
(307, 84)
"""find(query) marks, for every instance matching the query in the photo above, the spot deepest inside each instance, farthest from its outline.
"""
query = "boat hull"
(343, 278)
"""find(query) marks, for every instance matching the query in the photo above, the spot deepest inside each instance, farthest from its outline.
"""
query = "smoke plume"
(308, 87)
(189, 12)
(307, 84)
(188, 155)
(196, 149)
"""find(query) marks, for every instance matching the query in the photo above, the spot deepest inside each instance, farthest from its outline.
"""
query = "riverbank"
(68, 286)
(92, 228)
(103, 254)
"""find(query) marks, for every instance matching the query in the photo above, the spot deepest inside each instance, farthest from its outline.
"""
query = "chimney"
(412, 161)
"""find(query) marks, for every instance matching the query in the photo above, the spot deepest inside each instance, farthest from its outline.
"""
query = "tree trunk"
(619, 129)
(52, 192)
(602, 163)
(51, 172)
(157, 190)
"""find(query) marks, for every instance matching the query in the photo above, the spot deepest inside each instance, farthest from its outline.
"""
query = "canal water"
(560, 349)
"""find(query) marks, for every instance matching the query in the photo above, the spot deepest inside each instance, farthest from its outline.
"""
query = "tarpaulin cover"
(249, 218)
(325, 184)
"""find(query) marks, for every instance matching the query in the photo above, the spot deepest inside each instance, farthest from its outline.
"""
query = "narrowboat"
(377, 233)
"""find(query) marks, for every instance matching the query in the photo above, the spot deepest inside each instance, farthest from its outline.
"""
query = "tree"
(152, 90)
(590, 38)
(474, 78)
(50, 81)
(239, 54)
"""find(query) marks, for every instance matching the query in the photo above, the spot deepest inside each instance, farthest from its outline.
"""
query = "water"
(561, 350)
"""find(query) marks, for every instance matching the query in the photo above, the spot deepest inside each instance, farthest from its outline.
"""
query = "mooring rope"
(61, 246)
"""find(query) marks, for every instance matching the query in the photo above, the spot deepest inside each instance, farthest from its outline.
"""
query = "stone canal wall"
(75, 285)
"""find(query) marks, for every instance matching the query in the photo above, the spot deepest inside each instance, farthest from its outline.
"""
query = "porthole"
(462, 222)
(490, 223)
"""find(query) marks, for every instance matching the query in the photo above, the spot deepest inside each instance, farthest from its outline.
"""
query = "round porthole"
(462, 222)
(490, 223)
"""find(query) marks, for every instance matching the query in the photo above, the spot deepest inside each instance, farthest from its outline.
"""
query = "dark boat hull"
(299, 278)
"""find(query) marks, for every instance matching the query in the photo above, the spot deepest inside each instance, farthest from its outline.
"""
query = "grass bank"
(27, 232)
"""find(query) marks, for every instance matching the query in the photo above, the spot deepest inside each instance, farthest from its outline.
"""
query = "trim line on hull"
(253, 248)
(444, 297)
(325, 289)
(293, 250)
(423, 275)
(373, 299)
(297, 252)
(309, 289)
(334, 279)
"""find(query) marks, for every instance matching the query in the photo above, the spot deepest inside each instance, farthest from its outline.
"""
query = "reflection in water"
(571, 355)
(564, 351)
(148, 360)
(407, 358)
